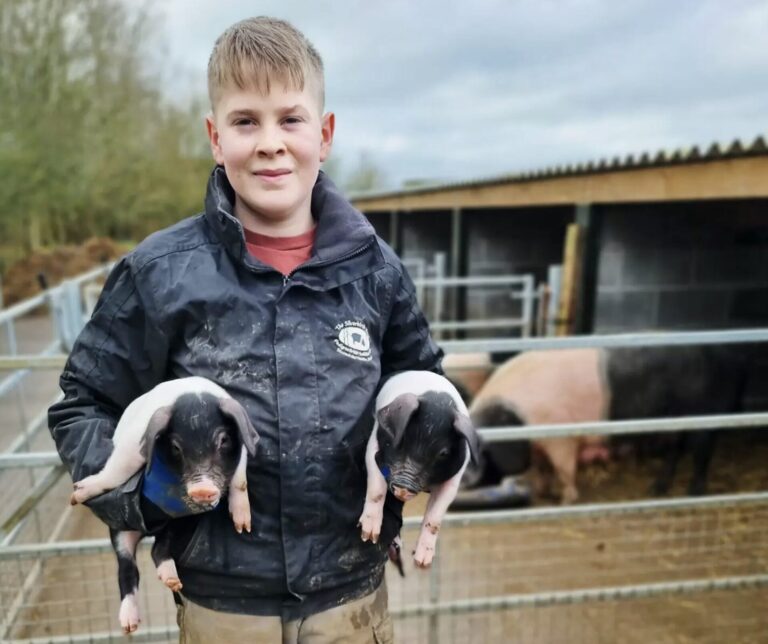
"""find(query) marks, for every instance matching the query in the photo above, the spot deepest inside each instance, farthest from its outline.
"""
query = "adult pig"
(586, 385)
(547, 387)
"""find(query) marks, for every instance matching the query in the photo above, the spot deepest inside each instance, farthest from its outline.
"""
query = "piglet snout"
(403, 494)
(204, 493)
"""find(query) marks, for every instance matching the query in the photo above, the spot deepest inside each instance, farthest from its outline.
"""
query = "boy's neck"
(297, 224)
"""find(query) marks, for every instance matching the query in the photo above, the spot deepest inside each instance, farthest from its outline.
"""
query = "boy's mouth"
(272, 175)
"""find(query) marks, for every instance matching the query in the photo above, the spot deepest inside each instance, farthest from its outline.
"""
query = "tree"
(366, 176)
(88, 143)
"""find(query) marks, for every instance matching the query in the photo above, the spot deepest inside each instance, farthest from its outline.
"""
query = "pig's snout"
(204, 493)
(402, 493)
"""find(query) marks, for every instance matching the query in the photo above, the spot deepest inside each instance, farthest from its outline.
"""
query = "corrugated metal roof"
(715, 152)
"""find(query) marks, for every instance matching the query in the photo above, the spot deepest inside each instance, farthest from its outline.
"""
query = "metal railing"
(67, 309)
(610, 558)
(522, 287)
(587, 573)
(433, 285)
(605, 341)
(507, 344)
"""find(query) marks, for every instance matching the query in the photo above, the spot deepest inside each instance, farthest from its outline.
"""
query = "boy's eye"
(292, 120)
(240, 122)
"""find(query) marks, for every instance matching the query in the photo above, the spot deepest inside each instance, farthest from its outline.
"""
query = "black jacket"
(304, 354)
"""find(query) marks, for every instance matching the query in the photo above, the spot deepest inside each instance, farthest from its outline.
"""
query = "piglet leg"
(440, 498)
(164, 563)
(121, 465)
(373, 510)
(124, 543)
(239, 504)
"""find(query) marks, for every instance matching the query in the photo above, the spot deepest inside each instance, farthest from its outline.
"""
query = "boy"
(281, 293)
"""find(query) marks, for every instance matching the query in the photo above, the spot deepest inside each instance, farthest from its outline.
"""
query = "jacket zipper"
(351, 254)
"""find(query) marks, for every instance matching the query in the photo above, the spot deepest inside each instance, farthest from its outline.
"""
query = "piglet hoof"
(370, 526)
(167, 573)
(240, 511)
(129, 614)
(570, 496)
(394, 555)
(425, 549)
(422, 557)
(84, 490)
(370, 520)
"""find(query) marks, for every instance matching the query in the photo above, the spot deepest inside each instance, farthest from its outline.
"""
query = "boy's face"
(271, 146)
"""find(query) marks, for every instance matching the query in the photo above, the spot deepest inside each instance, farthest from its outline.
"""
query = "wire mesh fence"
(718, 617)
(673, 571)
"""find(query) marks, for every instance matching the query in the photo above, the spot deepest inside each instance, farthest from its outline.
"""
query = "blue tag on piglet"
(164, 488)
(384, 470)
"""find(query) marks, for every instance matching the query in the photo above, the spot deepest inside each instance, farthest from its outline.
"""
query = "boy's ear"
(327, 127)
(213, 137)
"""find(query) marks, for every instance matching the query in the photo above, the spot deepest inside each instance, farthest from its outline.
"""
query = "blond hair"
(255, 52)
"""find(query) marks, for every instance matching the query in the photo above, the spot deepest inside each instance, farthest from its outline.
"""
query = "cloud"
(456, 89)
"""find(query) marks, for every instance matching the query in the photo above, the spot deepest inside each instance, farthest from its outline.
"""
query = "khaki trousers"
(362, 621)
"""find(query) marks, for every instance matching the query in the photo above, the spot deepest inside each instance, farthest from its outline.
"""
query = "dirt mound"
(22, 281)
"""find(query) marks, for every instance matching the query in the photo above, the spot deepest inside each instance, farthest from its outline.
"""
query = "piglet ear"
(248, 434)
(157, 424)
(395, 416)
(463, 425)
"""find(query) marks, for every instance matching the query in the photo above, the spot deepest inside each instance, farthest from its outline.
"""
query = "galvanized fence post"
(434, 597)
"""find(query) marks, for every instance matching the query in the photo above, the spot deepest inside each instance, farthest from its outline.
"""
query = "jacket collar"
(341, 229)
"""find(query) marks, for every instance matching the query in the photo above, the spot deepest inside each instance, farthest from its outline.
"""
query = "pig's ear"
(395, 416)
(248, 434)
(158, 423)
(463, 425)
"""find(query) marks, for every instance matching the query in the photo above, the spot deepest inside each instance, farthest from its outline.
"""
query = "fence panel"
(671, 571)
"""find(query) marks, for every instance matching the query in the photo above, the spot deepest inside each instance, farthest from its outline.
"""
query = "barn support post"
(458, 267)
(589, 219)
(580, 259)
(395, 236)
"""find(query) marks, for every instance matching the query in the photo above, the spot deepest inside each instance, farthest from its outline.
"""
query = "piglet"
(203, 438)
(422, 439)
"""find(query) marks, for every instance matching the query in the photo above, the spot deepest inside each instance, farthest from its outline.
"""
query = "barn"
(672, 240)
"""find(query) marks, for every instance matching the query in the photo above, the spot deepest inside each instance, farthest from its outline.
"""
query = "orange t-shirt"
(281, 253)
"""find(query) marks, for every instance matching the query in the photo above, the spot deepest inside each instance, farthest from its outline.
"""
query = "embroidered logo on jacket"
(353, 340)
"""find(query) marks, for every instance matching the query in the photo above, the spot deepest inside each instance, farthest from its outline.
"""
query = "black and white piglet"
(194, 440)
(422, 439)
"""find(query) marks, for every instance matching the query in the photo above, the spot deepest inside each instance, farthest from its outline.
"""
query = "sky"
(457, 90)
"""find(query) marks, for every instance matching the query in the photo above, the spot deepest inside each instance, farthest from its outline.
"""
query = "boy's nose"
(270, 143)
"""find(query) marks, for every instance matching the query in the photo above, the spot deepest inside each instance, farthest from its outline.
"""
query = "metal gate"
(439, 295)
